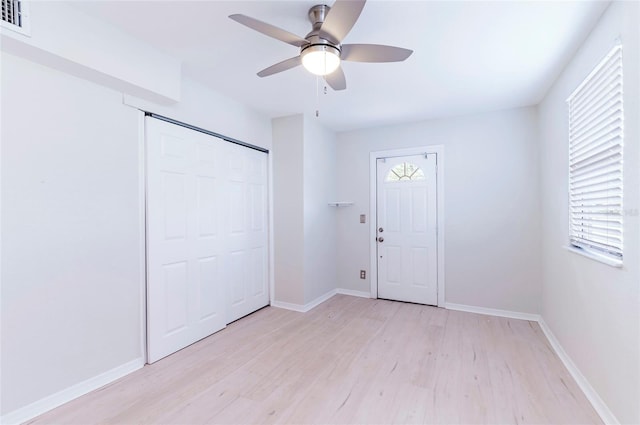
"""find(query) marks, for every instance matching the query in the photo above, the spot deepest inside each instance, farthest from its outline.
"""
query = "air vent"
(15, 16)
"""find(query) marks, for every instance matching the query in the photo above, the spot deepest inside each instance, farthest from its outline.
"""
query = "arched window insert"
(404, 172)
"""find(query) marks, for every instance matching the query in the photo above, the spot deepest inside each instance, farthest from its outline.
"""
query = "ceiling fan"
(322, 50)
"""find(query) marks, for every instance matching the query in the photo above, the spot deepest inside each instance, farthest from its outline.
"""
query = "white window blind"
(595, 159)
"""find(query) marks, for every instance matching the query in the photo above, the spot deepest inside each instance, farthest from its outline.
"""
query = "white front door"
(206, 235)
(406, 225)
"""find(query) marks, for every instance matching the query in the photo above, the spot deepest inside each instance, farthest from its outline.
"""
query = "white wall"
(492, 213)
(288, 209)
(70, 232)
(67, 39)
(319, 218)
(594, 309)
(304, 182)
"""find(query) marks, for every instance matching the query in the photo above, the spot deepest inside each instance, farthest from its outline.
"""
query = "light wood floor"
(349, 360)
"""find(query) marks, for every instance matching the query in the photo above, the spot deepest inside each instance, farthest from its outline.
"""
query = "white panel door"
(193, 207)
(247, 234)
(406, 225)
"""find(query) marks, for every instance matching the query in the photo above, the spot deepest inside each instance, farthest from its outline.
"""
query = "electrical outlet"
(363, 218)
(363, 274)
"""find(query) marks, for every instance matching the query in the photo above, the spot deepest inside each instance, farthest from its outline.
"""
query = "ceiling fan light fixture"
(320, 59)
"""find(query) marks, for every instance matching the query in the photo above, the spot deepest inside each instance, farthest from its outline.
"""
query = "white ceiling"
(469, 56)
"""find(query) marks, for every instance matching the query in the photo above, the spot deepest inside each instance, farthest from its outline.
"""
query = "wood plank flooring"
(349, 360)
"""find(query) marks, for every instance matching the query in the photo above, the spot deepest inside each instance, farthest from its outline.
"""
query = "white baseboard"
(361, 294)
(493, 312)
(598, 404)
(58, 399)
(288, 306)
(322, 298)
(306, 307)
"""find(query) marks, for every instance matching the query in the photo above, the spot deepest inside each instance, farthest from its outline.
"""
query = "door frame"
(438, 150)
(142, 236)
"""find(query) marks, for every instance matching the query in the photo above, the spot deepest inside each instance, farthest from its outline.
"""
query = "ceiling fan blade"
(336, 79)
(281, 66)
(270, 30)
(373, 53)
(340, 19)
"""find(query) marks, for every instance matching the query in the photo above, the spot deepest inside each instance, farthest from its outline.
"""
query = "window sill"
(594, 256)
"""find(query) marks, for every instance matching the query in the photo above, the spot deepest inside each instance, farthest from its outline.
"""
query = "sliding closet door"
(247, 233)
(206, 235)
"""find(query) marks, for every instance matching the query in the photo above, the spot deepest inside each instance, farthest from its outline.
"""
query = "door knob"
(380, 239)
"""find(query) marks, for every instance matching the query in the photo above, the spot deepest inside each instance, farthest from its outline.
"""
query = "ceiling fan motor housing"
(317, 15)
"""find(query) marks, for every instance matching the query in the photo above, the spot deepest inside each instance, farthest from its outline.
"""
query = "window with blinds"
(595, 159)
